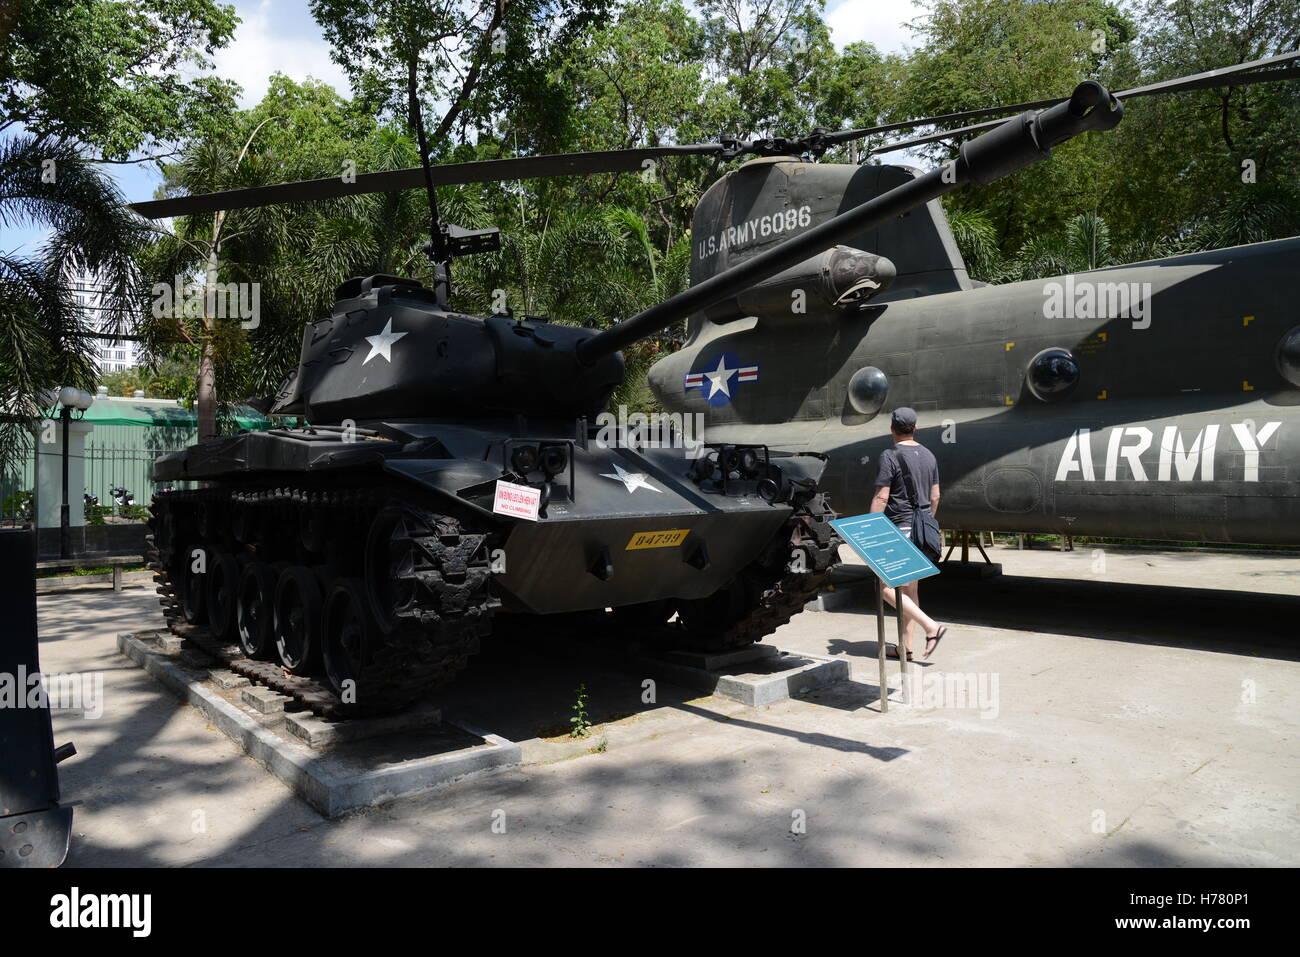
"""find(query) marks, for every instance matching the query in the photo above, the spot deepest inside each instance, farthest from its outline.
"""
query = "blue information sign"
(890, 553)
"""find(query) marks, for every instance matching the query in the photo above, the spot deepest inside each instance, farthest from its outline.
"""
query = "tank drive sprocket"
(769, 591)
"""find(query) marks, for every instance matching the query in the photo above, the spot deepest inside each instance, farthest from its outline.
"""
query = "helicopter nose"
(855, 275)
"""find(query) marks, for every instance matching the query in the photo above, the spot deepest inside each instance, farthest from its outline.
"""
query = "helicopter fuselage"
(1182, 421)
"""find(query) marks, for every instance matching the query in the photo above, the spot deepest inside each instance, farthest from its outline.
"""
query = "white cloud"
(880, 22)
(280, 37)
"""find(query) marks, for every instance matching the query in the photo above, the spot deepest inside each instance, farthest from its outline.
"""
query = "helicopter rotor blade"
(1242, 74)
(633, 160)
(447, 174)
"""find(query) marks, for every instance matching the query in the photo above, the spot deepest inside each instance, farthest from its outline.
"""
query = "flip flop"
(936, 638)
(892, 653)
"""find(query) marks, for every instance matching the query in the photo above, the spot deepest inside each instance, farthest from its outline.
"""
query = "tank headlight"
(554, 459)
(523, 459)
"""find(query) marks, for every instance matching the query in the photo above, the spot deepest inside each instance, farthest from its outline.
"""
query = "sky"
(281, 35)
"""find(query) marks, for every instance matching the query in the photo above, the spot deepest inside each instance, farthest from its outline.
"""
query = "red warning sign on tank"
(517, 501)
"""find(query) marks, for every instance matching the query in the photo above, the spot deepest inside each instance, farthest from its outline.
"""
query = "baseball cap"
(903, 419)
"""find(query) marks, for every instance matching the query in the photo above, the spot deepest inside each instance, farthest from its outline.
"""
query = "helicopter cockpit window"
(1053, 374)
(1288, 356)
(868, 389)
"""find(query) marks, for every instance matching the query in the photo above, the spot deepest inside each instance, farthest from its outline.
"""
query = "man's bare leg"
(912, 613)
(912, 590)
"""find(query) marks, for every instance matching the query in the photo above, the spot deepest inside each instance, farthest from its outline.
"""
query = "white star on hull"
(382, 344)
(632, 480)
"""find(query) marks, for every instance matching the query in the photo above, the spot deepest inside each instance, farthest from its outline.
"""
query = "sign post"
(880, 645)
(896, 561)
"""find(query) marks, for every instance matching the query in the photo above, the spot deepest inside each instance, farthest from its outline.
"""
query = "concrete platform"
(334, 767)
(756, 676)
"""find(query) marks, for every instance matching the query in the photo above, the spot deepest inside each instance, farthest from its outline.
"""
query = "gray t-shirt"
(925, 473)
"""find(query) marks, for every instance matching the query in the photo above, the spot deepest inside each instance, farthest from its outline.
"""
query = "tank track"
(429, 640)
(784, 592)
(434, 634)
(776, 586)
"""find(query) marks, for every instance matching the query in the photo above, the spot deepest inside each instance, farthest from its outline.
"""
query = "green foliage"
(581, 720)
(112, 75)
(43, 340)
(468, 55)
(19, 505)
(172, 376)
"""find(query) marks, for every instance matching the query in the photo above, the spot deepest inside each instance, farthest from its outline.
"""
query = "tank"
(454, 469)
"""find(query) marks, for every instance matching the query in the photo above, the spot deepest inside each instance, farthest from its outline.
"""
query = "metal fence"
(106, 467)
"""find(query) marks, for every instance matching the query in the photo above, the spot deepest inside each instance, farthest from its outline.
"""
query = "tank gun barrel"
(1017, 143)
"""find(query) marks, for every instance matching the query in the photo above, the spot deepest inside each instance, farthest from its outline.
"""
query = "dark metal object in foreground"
(35, 829)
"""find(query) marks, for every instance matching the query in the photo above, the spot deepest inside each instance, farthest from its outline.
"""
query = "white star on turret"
(633, 480)
(382, 344)
(718, 377)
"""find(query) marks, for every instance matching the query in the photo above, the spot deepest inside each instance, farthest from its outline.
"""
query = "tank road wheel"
(191, 586)
(422, 567)
(223, 592)
(254, 610)
(297, 618)
(348, 641)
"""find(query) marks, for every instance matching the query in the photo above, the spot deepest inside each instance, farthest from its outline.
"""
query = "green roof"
(128, 412)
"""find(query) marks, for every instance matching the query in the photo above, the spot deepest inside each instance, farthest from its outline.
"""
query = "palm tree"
(44, 337)
(1251, 214)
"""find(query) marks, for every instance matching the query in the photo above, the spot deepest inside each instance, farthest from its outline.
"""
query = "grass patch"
(86, 571)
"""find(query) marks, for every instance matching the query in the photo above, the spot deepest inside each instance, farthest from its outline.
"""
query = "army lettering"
(1182, 459)
(760, 227)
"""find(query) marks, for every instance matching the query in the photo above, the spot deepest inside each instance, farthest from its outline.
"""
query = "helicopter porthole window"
(1288, 356)
(1053, 374)
(867, 390)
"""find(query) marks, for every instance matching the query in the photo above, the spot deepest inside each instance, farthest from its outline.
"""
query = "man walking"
(908, 463)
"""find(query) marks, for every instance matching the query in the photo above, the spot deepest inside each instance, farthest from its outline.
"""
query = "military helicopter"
(364, 543)
(1153, 400)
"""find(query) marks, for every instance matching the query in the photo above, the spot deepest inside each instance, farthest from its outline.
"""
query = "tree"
(1177, 161)
(295, 255)
(44, 337)
(461, 53)
(114, 76)
(982, 53)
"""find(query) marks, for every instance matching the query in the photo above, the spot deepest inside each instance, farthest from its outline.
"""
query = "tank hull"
(405, 514)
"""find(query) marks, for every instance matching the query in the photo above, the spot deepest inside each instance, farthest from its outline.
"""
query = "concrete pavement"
(1144, 724)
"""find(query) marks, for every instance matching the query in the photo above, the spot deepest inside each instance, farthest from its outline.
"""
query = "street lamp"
(69, 398)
